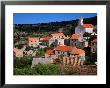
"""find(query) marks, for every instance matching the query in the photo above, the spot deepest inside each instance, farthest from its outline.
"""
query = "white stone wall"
(89, 30)
(79, 30)
(56, 37)
(61, 42)
(34, 43)
(36, 61)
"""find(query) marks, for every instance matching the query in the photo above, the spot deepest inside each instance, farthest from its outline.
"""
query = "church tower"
(80, 21)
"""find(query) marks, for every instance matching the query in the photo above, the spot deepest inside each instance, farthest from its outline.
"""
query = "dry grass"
(79, 70)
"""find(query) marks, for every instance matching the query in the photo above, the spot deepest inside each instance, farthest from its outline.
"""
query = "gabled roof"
(33, 38)
(87, 25)
(50, 52)
(78, 52)
(58, 34)
(75, 36)
(64, 48)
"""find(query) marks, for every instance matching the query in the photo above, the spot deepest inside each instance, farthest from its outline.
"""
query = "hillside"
(67, 26)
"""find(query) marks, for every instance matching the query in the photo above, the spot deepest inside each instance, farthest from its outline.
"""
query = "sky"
(33, 18)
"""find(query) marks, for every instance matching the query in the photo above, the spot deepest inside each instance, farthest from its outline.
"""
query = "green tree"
(22, 62)
(41, 69)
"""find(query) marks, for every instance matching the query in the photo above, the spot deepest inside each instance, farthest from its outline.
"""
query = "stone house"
(77, 57)
(51, 55)
(18, 52)
(47, 41)
(60, 42)
(70, 55)
(60, 37)
(34, 42)
(77, 40)
(65, 50)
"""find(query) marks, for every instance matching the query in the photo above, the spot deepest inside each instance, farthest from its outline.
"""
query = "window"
(58, 52)
(93, 49)
(75, 44)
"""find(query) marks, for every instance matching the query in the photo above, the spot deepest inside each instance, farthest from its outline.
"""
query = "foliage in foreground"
(23, 62)
(39, 70)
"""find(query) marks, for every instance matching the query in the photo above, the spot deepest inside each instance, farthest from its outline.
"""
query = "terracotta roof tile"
(64, 48)
(87, 25)
(78, 51)
(50, 52)
(58, 34)
(75, 36)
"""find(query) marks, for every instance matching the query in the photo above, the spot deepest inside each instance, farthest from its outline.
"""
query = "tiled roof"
(75, 36)
(78, 51)
(87, 25)
(64, 48)
(58, 34)
(50, 52)
(33, 38)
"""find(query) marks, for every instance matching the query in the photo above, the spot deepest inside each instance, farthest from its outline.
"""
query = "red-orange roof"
(58, 34)
(46, 38)
(50, 52)
(64, 48)
(75, 36)
(78, 51)
(87, 25)
(33, 38)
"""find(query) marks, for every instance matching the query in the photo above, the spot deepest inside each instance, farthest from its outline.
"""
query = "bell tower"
(80, 21)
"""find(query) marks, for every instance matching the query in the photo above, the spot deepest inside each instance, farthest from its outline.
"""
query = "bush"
(87, 58)
(22, 62)
(39, 70)
(41, 51)
(47, 69)
(93, 57)
(25, 71)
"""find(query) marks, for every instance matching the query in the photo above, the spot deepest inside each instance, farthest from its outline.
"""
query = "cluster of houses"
(65, 52)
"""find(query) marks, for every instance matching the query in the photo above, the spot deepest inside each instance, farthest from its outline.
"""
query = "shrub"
(43, 69)
(47, 69)
(25, 71)
(22, 62)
